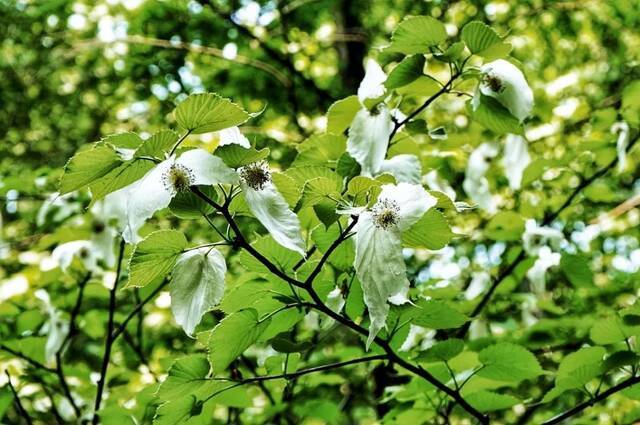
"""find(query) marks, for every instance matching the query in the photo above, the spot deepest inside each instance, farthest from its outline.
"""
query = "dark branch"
(602, 396)
(109, 338)
(19, 406)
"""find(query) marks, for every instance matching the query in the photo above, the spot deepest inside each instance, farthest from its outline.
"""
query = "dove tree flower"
(155, 190)
(270, 207)
(55, 328)
(504, 82)
(515, 160)
(369, 132)
(475, 183)
(622, 130)
(379, 263)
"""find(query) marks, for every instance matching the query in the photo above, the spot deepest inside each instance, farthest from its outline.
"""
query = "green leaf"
(406, 72)
(479, 36)
(185, 376)
(158, 145)
(236, 156)
(87, 166)
(416, 34)
(123, 140)
(435, 314)
(619, 359)
(188, 206)
(287, 188)
(122, 176)
(343, 256)
(488, 401)
(232, 336)
(495, 117)
(442, 351)
(431, 232)
(322, 149)
(206, 112)
(341, 113)
(577, 270)
(318, 190)
(508, 362)
(505, 226)
(154, 257)
(608, 331)
(347, 166)
(273, 251)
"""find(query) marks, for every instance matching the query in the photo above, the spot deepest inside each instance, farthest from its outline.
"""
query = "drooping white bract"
(504, 82)
(406, 168)
(622, 128)
(197, 286)
(537, 273)
(536, 237)
(369, 138)
(479, 283)
(233, 136)
(55, 328)
(109, 219)
(379, 262)
(64, 253)
(475, 183)
(372, 85)
(156, 189)
(433, 180)
(270, 207)
(335, 302)
(515, 160)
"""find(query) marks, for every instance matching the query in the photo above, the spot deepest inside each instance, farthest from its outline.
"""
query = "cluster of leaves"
(287, 341)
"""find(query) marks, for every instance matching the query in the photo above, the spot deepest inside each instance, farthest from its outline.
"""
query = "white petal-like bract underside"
(63, 254)
(369, 138)
(515, 160)
(206, 168)
(372, 85)
(514, 93)
(146, 196)
(380, 268)
(233, 136)
(406, 168)
(197, 286)
(271, 209)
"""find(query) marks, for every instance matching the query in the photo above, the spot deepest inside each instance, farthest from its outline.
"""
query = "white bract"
(379, 262)
(270, 207)
(538, 272)
(233, 136)
(369, 138)
(335, 302)
(504, 82)
(156, 189)
(479, 283)
(84, 250)
(55, 328)
(475, 183)
(622, 129)
(536, 237)
(515, 160)
(372, 85)
(406, 168)
(197, 286)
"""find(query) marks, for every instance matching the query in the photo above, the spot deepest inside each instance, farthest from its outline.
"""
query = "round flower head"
(379, 262)
(156, 189)
(504, 82)
(256, 175)
(269, 207)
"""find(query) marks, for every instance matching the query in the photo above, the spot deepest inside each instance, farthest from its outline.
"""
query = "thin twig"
(109, 338)
(26, 358)
(19, 405)
(602, 396)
